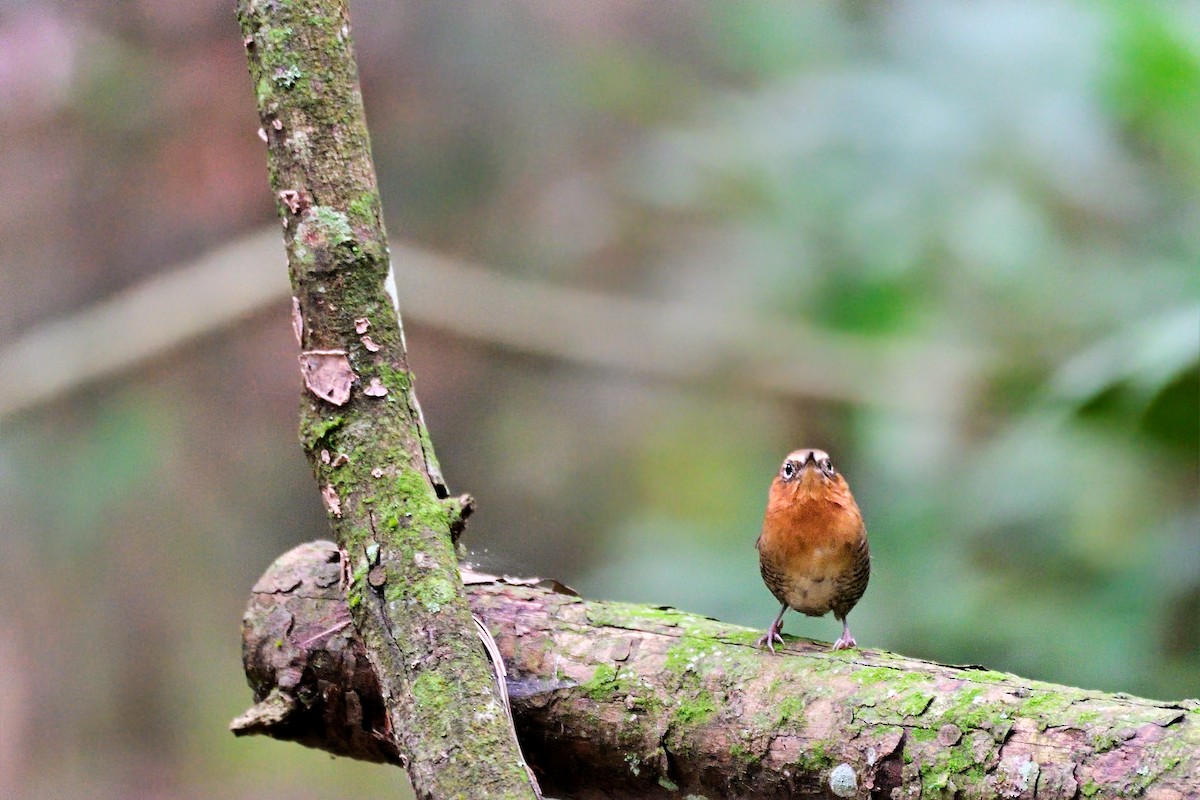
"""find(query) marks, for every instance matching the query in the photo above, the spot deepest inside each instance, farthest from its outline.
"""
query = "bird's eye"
(827, 467)
(789, 470)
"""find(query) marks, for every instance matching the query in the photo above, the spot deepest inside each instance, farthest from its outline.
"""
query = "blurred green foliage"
(1015, 180)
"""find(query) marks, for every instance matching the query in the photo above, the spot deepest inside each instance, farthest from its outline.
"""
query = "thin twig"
(501, 672)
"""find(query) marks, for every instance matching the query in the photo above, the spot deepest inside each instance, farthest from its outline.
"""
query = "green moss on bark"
(603, 683)
(695, 710)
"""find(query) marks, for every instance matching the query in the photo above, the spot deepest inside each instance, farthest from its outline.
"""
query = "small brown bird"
(813, 550)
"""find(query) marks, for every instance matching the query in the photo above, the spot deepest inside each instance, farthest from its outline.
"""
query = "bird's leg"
(772, 635)
(846, 640)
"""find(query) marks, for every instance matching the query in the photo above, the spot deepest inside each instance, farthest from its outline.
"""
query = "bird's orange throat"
(810, 510)
(810, 488)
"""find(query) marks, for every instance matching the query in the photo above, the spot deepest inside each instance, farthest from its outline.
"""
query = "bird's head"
(809, 470)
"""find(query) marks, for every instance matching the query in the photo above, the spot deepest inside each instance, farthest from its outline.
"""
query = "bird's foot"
(770, 638)
(846, 640)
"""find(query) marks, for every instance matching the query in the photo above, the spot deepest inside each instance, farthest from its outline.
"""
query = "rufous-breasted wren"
(813, 550)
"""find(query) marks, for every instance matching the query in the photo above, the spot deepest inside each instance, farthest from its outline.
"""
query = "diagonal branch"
(616, 700)
(361, 423)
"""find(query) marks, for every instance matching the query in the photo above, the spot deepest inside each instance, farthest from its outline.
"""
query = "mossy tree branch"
(615, 700)
(361, 424)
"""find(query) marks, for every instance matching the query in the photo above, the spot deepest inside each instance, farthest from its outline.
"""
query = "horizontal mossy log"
(617, 700)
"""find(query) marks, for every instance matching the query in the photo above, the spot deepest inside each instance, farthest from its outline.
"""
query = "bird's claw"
(769, 639)
(844, 642)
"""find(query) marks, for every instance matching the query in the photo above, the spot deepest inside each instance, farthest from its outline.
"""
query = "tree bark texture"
(617, 700)
(361, 425)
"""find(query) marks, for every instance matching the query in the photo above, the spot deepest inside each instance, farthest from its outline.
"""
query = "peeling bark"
(616, 700)
(437, 705)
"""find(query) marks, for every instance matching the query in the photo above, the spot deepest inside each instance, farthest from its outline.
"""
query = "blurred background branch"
(144, 322)
(668, 341)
